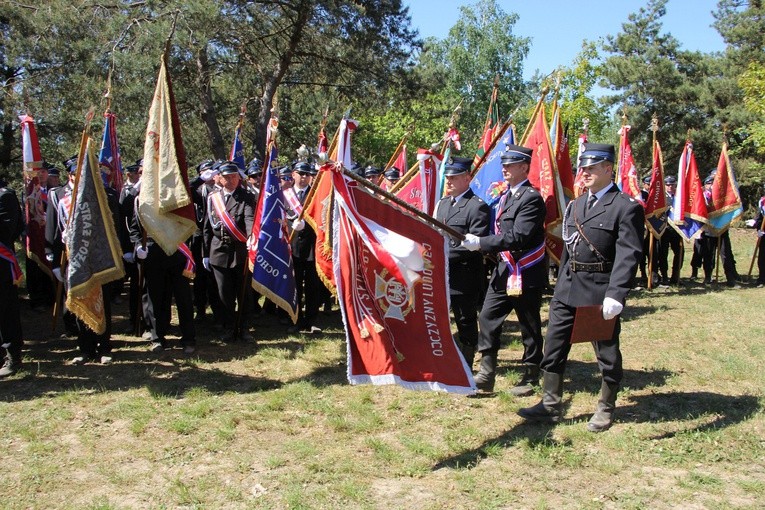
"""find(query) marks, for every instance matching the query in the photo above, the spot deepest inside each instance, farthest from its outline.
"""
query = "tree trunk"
(208, 113)
(303, 11)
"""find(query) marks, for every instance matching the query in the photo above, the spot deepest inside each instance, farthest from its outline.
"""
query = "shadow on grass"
(583, 376)
(534, 433)
(726, 410)
(168, 373)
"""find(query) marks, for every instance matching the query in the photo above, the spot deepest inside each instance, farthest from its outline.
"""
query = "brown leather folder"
(590, 326)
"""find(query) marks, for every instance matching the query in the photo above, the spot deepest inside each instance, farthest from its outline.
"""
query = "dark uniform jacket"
(304, 242)
(521, 221)
(53, 241)
(10, 228)
(128, 194)
(470, 215)
(223, 249)
(615, 227)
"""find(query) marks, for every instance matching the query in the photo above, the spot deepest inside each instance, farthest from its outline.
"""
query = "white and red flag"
(579, 186)
(35, 200)
(627, 177)
(165, 206)
(419, 189)
(391, 275)
(347, 127)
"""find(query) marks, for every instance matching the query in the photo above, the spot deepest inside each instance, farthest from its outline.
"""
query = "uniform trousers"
(558, 344)
(162, 283)
(671, 240)
(308, 291)
(10, 318)
(229, 283)
(90, 343)
(205, 289)
(465, 310)
(496, 306)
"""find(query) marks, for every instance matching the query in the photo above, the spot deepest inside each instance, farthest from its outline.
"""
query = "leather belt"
(591, 267)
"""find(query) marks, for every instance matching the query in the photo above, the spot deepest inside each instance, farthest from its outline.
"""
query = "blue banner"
(109, 155)
(273, 274)
(488, 183)
(237, 151)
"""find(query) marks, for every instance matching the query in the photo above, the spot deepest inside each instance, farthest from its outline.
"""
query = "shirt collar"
(600, 193)
(456, 199)
(515, 188)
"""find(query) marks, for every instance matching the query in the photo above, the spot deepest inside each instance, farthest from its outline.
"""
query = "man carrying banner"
(462, 210)
(706, 246)
(670, 240)
(309, 286)
(55, 222)
(603, 231)
(11, 224)
(392, 176)
(230, 213)
(759, 224)
(520, 275)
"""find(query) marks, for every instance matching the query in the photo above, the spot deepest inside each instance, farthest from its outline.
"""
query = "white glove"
(298, 225)
(141, 252)
(206, 263)
(250, 242)
(471, 242)
(64, 236)
(49, 257)
(57, 274)
(750, 223)
(128, 257)
(611, 308)
(760, 233)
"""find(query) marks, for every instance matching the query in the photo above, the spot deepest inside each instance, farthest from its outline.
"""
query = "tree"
(223, 54)
(479, 46)
(653, 75)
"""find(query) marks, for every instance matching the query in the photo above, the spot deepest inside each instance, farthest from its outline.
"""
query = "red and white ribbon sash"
(190, 269)
(9, 255)
(514, 279)
(292, 200)
(225, 217)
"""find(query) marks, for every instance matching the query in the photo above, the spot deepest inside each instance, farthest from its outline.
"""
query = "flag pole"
(78, 171)
(452, 124)
(542, 96)
(407, 134)
(457, 236)
(654, 129)
(756, 249)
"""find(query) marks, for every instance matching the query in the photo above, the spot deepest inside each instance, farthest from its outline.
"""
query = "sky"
(572, 21)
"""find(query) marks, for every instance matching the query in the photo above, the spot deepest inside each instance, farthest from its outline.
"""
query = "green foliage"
(479, 46)
(56, 57)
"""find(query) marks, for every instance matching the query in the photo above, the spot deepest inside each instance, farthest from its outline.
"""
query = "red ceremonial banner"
(318, 213)
(393, 293)
(543, 175)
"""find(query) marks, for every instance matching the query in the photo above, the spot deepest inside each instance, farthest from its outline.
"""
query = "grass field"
(280, 427)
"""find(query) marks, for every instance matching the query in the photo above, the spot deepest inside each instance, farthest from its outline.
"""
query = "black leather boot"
(549, 408)
(487, 372)
(468, 352)
(604, 412)
(530, 379)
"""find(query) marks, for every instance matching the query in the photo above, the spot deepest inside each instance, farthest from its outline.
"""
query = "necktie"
(591, 201)
(454, 201)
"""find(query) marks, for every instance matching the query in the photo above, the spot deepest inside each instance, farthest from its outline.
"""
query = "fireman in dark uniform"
(603, 231)
(466, 213)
